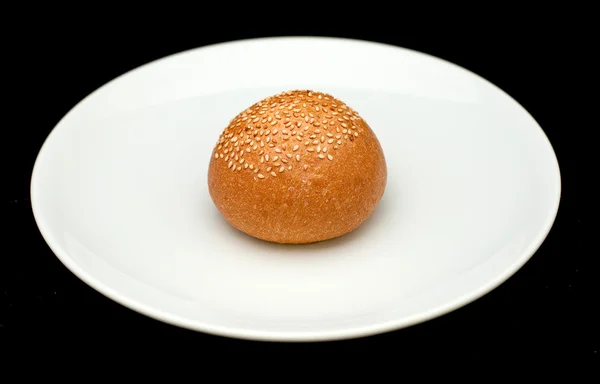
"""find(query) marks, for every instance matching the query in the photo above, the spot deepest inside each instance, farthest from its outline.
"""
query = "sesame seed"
(329, 134)
(277, 150)
(255, 147)
(273, 174)
(245, 165)
(268, 139)
(305, 167)
(267, 157)
(255, 120)
(237, 157)
(316, 142)
(221, 155)
(275, 131)
(260, 176)
(251, 166)
(230, 164)
(267, 132)
(310, 149)
(324, 149)
(345, 137)
(275, 158)
(239, 168)
(296, 147)
(298, 138)
(330, 157)
(242, 161)
(356, 134)
(281, 169)
(313, 136)
(339, 142)
(216, 155)
(284, 161)
(344, 131)
(306, 142)
(299, 123)
(234, 139)
(322, 139)
(325, 121)
(284, 131)
(321, 156)
(344, 125)
(318, 148)
(330, 141)
(269, 169)
(297, 157)
(306, 119)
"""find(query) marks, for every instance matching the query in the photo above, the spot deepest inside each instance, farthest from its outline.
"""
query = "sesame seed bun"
(296, 168)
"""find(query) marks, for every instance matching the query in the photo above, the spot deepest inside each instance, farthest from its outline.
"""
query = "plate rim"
(290, 336)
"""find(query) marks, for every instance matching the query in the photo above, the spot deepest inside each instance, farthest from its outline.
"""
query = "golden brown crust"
(298, 167)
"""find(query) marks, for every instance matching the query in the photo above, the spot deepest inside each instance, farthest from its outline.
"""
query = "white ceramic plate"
(119, 192)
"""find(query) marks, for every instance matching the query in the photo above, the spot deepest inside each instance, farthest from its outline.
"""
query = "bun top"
(295, 131)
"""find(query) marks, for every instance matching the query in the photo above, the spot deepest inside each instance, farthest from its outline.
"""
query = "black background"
(545, 309)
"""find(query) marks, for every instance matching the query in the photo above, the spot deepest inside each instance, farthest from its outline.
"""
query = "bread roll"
(295, 168)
